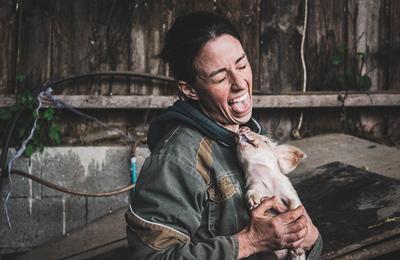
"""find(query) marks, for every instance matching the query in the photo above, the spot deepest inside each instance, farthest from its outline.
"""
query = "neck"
(233, 127)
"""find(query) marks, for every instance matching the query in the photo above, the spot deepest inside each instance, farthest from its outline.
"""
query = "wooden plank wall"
(393, 66)
(45, 39)
(8, 47)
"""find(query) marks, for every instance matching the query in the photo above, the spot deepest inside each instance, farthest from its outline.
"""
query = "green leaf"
(57, 138)
(21, 132)
(27, 99)
(55, 133)
(19, 77)
(49, 114)
(29, 150)
(337, 60)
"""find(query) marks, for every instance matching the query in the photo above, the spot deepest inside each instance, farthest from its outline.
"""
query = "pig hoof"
(298, 251)
(254, 200)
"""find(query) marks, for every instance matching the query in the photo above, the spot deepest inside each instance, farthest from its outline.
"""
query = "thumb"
(266, 204)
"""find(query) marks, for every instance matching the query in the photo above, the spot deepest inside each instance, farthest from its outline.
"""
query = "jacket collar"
(188, 112)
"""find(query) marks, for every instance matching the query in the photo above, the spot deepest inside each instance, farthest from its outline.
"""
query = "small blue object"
(133, 170)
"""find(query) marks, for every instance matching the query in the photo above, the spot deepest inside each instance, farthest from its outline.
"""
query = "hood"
(189, 113)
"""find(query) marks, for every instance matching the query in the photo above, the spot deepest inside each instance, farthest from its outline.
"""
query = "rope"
(296, 132)
(80, 193)
(62, 105)
(65, 190)
(19, 153)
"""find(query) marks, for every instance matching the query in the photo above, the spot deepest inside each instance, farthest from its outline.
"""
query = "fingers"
(244, 129)
(292, 215)
(295, 236)
(295, 244)
(280, 208)
(266, 204)
(297, 225)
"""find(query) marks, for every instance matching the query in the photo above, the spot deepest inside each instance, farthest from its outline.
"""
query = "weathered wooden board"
(325, 33)
(280, 122)
(280, 64)
(369, 39)
(34, 58)
(8, 44)
(394, 45)
(292, 100)
(351, 207)
(393, 126)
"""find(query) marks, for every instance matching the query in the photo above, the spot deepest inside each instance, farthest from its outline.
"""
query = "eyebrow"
(212, 74)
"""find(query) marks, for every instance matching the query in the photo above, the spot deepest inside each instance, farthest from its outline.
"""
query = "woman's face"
(224, 82)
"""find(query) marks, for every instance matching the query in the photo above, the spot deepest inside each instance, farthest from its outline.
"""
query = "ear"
(289, 157)
(187, 90)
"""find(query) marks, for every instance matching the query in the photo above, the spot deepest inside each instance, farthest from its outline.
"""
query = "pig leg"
(253, 198)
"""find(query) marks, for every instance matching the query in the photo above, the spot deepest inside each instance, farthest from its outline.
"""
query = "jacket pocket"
(225, 203)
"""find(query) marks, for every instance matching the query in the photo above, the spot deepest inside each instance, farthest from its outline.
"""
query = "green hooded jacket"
(190, 195)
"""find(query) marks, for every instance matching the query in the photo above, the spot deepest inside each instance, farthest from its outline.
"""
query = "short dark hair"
(187, 36)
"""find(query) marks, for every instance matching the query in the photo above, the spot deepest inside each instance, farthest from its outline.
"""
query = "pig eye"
(267, 142)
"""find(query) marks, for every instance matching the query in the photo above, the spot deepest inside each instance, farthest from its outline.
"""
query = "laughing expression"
(223, 85)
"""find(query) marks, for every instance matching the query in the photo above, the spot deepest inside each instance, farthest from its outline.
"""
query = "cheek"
(248, 74)
(217, 97)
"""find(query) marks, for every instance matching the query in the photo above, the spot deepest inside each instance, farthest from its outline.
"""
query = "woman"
(189, 202)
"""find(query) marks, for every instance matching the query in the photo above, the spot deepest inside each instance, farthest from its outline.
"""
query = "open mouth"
(238, 99)
(240, 104)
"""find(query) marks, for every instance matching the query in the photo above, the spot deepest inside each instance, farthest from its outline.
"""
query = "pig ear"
(289, 157)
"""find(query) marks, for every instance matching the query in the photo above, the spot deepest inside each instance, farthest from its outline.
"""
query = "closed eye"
(221, 80)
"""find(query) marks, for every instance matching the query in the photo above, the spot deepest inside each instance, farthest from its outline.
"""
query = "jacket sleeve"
(316, 251)
(167, 209)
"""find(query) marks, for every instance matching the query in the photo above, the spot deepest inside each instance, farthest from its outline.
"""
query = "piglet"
(266, 164)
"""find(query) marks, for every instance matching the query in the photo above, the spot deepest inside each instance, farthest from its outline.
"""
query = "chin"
(244, 119)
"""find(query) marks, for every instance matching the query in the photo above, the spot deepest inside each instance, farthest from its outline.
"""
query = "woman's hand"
(312, 234)
(312, 231)
(269, 233)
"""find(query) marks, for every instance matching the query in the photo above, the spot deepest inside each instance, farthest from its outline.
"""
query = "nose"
(237, 80)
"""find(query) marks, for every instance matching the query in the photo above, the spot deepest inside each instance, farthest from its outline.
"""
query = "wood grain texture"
(8, 45)
(34, 61)
(393, 67)
(369, 23)
(293, 100)
(394, 45)
(325, 34)
(280, 64)
(353, 198)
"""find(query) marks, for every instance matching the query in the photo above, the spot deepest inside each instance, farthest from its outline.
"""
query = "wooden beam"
(325, 100)
(6, 100)
(292, 100)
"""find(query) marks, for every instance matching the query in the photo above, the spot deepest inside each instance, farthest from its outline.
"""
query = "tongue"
(239, 107)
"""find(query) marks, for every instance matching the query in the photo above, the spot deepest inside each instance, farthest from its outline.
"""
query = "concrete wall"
(39, 214)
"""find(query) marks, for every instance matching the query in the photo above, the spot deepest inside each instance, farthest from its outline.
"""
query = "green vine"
(350, 79)
(48, 130)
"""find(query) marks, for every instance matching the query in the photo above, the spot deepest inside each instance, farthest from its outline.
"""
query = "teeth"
(239, 99)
